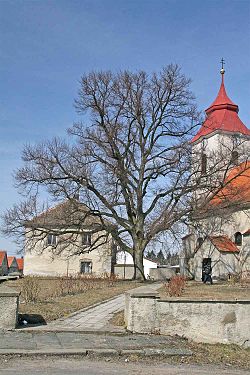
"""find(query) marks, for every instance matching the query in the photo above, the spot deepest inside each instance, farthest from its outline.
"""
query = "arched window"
(199, 241)
(238, 239)
(235, 157)
(203, 163)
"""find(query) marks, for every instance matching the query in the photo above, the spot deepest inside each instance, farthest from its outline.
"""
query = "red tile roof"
(20, 263)
(10, 260)
(224, 244)
(222, 115)
(236, 187)
(3, 254)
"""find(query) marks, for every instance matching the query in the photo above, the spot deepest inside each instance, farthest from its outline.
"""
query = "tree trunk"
(138, 264)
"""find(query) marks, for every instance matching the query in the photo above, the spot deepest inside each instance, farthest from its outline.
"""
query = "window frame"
(199, 242)
(238, 238)
(90, 266)
(88, 237)
(235, 157)
(54, 239)
(203, 164)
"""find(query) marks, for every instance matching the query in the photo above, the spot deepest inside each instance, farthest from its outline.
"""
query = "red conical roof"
(222, 115)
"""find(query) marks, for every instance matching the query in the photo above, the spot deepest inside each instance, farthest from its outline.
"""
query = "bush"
(30, 288)
(81, 283)
(176, 286)
(245, 277)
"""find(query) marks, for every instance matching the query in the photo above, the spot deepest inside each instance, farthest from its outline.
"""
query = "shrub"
(176, 286)
(30, 288)
(245, 277)
(81, 283)
(234, 278)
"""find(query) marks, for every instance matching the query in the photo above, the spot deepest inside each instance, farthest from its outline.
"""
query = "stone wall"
(9, 300)
(124, 271)
(161, 273)
(226, 322)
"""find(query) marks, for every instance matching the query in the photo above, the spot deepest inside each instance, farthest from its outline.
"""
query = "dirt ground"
(220, 291)
(111, 366)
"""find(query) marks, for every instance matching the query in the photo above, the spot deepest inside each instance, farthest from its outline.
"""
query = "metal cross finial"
(222, 66)
(222, 63)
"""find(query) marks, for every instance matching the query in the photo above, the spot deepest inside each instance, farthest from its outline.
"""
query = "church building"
(219, 232)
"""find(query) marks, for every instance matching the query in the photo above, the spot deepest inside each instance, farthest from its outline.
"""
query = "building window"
(199, 242)
(238, 239)
(86, 238)
(52, 239)
(234, 157)
(203, 164)
(86, 267)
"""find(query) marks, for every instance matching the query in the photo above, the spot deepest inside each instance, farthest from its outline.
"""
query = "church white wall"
(218, 149)
(222, 263)
(223, 142)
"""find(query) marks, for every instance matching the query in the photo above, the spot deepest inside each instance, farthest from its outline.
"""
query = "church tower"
(223, 139)
(219, 235)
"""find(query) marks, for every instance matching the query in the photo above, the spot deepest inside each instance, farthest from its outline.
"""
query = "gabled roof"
(3, 254)
(224, 244)
(236, 187)
(11, 260)
(20, 263)
(222, 115)
(68, 214)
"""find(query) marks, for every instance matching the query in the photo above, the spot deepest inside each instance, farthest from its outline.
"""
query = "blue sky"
(45, 46)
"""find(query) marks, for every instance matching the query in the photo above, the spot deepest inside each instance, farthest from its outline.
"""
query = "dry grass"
(220, 354)
(53, 301)
(118, 319)
(225, 291)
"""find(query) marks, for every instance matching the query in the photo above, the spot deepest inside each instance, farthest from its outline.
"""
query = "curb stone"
(103, 352)
(168, 352)
(58, 330)
(131, 351)
(147, 352)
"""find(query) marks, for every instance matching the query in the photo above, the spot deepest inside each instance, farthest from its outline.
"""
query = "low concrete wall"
(124, 271)
(163, 273)
(9, 300)
(226, 322)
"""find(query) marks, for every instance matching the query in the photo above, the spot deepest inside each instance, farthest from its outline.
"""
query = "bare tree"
(129, 161)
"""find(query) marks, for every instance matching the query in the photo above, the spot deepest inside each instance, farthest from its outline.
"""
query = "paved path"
(28, 342)
(94, 318)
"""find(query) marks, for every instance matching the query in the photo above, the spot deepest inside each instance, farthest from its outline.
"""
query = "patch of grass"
(219, 354)
(207, 356)
(220, 291)
(118, 319)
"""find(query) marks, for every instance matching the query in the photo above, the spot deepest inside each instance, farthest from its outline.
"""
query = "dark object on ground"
(33, 319)
(208, 274)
